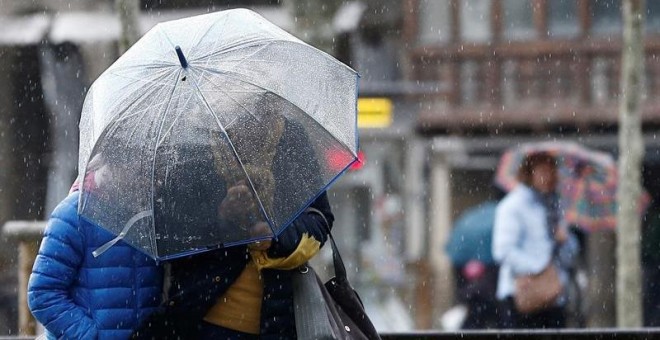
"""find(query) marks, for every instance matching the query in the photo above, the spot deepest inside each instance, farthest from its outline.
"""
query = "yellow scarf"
(240, 307)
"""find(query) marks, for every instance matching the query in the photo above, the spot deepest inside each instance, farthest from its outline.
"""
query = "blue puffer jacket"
(77, 296)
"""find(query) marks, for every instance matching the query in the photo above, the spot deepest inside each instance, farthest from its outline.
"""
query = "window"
(476, 20)
(563, 19)
(434, 21)
(606, 17)
(470, 82)
(509, 83)
(518, 20)
(653, 16)
(602, 84)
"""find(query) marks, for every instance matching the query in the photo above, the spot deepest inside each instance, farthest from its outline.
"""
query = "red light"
(359, 163)
(338, 159)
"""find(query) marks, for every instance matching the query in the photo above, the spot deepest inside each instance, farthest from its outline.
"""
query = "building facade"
(464, 79)
(519, 71)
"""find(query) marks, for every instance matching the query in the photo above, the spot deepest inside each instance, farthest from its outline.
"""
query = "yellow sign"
(374, 112)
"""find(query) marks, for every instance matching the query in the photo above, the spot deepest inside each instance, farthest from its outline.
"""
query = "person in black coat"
(213, 294)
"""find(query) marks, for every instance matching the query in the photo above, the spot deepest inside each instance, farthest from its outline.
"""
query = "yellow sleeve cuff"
(307, 248)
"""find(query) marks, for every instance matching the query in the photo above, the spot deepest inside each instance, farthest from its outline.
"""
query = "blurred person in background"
(475, 271)
(529, 235)
(651, 266)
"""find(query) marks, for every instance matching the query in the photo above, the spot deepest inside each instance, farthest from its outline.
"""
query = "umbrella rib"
(135, 113)
(238, 158)
(143, 66)
(162, 137)
(122, 116)
(114, 124)
(237, 46)
(159, 52)
(240, 61)
(137, 124)
(273, 41)
(154, 245)
(233, 99)
(194, 49)
(303, 45)
(136, 80)
(277, 94)
(241, 105)
(219, 87)
(140, 80)
(167, 38)
(210, 80)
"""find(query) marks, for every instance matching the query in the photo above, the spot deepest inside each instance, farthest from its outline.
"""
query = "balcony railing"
(533, 84)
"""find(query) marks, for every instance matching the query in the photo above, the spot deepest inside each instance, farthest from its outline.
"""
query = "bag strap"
(340, 269)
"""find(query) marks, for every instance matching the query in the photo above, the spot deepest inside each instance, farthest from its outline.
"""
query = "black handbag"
(332, 310)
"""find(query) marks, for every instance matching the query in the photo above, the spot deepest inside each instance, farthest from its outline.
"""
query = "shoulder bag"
(537, 292)
(332, 310)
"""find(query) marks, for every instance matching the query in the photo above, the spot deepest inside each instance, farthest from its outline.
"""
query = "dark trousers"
(211, 331)
(553, 317)
(651, 291)
(481, 314)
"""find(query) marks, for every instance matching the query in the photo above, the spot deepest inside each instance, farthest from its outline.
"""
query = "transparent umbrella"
(213, 131)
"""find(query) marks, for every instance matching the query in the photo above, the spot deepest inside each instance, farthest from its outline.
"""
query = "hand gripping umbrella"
(212, 131)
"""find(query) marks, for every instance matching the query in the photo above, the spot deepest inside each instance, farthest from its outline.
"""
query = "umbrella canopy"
(587, 181)
(472, 235)
(209, 126)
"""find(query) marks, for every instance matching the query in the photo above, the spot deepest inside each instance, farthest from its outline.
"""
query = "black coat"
(199, 280)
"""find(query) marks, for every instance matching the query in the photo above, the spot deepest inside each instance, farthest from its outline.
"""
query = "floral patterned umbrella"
(587, 181)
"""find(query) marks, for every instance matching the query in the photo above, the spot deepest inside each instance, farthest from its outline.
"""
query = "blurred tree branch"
(128, 17)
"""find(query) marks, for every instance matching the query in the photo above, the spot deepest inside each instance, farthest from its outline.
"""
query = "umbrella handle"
(182, 58)
(102, 249)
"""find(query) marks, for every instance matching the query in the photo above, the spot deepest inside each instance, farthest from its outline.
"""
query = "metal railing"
(554, 334)
(540, 334)
(28, 235)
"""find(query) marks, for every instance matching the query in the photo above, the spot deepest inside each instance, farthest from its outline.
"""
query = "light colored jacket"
(521, 240)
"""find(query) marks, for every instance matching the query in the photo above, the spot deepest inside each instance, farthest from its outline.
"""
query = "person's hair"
(530, 162)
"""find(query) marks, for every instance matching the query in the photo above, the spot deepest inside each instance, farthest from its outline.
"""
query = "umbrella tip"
(182, 58)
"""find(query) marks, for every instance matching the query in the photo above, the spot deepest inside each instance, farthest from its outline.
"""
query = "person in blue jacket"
(78, 296)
